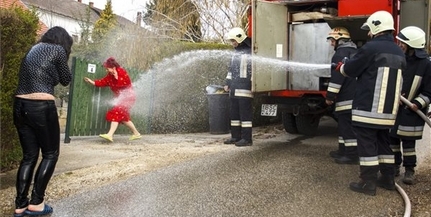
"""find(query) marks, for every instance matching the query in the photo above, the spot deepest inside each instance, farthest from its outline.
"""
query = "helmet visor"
(365, 27)
(402, 37)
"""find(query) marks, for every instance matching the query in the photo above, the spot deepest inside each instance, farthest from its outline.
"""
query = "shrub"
(18, 34)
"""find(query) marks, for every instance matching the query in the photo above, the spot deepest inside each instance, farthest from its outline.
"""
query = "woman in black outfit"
(36, 119)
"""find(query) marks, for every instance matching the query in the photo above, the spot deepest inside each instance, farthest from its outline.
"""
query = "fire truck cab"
(295, 31)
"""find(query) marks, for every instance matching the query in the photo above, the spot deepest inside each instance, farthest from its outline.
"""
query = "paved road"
(282, 176)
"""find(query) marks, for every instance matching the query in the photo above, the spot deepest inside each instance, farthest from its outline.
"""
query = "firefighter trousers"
(406, 156)
(374, 153)
(346, 136)
(241, 115)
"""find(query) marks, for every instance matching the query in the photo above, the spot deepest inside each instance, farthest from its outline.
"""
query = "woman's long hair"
(111, 63)
(58, 35)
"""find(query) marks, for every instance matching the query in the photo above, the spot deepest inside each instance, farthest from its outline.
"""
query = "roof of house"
(10, 3)
(72, 9)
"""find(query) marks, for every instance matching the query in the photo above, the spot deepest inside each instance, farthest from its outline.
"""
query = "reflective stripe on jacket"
(378, 67)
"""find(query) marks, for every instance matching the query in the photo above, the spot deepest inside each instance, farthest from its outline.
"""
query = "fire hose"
(419, 112)
(407, 209)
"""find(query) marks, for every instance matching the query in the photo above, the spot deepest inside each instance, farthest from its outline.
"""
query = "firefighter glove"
(338, 66)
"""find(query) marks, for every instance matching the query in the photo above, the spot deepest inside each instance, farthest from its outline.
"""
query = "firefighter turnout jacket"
(342, 89)
(238, 78)
(378, 67)
(417, 89)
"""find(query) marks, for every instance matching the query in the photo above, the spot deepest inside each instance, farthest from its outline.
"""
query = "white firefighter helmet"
(339, 33)
(379, 21)
(412, 36)
(236, 34)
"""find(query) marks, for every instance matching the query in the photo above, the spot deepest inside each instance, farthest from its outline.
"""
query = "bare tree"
(196, 20)
(174, 19)
(219, 16)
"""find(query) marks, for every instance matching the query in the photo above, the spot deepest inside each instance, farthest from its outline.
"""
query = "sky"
(124, 8)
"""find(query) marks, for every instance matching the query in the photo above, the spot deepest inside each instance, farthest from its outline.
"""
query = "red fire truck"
(295, 31)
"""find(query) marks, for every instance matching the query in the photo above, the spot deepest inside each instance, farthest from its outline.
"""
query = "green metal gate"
(87, 105)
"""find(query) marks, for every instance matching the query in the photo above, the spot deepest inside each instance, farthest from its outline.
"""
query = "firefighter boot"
(347, 160)
(231, 141)
(243, 142)
(366, 187)
(338, 153)
(386, 182)
(409, 176)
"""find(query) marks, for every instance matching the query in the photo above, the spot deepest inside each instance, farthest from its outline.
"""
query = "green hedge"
(18, 33)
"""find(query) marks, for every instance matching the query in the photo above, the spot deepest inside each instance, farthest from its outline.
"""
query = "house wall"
(71, 25)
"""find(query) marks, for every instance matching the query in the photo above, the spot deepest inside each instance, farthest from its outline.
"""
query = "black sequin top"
(44, 66)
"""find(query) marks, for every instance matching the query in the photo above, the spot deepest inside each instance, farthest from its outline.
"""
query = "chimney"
(80, 1)
(91, 4)
(139, 18)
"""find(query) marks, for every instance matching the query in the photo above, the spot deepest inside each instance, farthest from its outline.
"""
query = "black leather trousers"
(39, 131)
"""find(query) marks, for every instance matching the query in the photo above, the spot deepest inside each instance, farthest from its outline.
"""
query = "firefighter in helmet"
(238, 83)
(338, 35)
(340, 92)
(417, 89)
(378, 67)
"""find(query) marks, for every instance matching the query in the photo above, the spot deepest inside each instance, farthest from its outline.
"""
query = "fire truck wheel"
(307, 124)
(289, 123)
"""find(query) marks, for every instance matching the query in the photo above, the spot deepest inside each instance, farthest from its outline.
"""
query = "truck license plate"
(269, 110)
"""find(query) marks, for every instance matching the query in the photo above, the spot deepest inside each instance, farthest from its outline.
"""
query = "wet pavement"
(282, 176)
